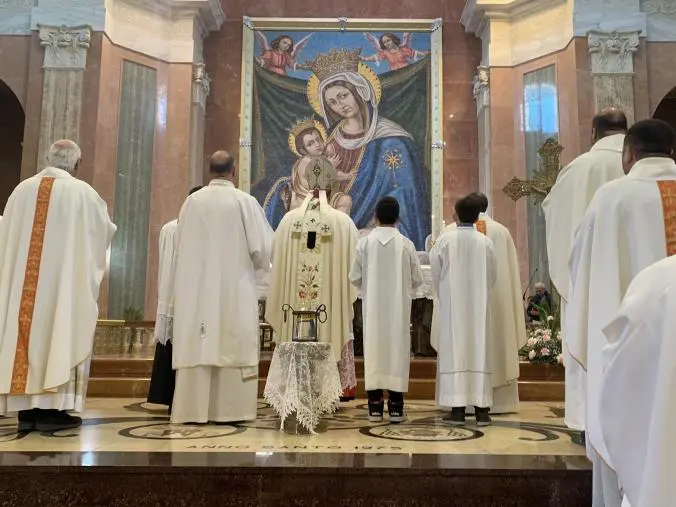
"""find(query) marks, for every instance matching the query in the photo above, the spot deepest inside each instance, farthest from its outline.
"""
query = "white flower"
(531, 355)
(559, 359)
(531, 342)
(547, 338)
(550, 318)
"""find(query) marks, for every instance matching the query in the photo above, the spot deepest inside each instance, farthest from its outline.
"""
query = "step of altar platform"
(130, 377)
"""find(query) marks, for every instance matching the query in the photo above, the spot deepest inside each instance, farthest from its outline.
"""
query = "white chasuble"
(164, 320)
(638, 409)
(630, 224)
(387, 272)
(308, 277)
(507, 333)
(464, 271)
(564, 207)
(54, 236)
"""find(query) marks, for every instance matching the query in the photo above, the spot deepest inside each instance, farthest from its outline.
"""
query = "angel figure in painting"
(395, 51)
(314, 169)
(281, 54)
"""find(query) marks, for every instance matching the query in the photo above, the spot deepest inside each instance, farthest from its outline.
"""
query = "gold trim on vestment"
(481, 226)
(668, 195)
(30, 286)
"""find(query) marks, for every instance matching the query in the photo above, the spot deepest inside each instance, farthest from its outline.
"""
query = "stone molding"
(481, 88)
(201, 84)
(613, 52)
(65, 48)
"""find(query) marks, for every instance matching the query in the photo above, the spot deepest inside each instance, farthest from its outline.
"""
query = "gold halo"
(292, 137)
(364, 70)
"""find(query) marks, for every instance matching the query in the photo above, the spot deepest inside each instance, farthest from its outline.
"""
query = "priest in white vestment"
(313, 251)
(630, 224)
(564, 208)
(464, 269)
(222, 238)
(508, 326)
(54, 238)
(163, 377)
(638, 408)
(387, 272)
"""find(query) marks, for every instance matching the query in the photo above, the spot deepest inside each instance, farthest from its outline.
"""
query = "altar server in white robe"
(54, 238)
(163, 377)
(221, 240)
(508, 326)
(464, 269)
(638, 409)
(564, 207)
(630, 224)
(387, 271)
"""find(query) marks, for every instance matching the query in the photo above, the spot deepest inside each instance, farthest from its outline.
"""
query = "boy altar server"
(386, 270)
(464, 270)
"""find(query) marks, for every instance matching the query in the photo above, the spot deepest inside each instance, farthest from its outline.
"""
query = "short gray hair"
(64, 154)
(540, 285)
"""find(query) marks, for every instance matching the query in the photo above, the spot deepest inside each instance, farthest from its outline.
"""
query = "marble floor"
(130, 425)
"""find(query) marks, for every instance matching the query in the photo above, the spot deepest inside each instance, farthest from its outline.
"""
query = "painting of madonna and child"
(350, 110)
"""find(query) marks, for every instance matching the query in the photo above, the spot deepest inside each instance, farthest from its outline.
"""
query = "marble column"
(201, 85)
(612, 63)
(483, 111)
(64, 64)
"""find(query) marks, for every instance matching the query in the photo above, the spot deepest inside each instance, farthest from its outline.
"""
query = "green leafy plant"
(544, 344)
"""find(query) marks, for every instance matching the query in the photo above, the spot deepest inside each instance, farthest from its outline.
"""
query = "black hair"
(195, 189)
(481, 200)
(225, 166)
(608, 122)
(387, 211)
(651, 137)
(467, 210)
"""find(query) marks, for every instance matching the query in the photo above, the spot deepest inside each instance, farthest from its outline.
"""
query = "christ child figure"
(315, 170)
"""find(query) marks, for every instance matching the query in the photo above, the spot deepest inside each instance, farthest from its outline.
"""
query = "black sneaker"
(396, 411)
(482, 417)
(456, 418)
(376, 411)
(27, 420)
(55, 420)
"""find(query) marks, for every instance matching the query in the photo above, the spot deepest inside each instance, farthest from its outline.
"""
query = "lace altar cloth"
(304, 379)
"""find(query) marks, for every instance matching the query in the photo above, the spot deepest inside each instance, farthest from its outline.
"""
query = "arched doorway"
(12, 121)
(666, 109)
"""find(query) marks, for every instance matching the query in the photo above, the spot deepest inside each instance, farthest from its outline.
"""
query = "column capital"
(613, 52)
(65, 47)
(201, 84)
(481, 87)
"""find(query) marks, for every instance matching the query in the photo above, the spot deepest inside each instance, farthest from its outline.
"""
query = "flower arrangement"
(544, 339)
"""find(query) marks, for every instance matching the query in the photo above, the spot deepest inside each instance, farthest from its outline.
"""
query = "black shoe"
(482, 417)
(27, 420)
(456, 418)
(55, 420)
(376, 411)
(396, 411)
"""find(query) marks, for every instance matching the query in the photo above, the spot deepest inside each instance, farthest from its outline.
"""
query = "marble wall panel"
(135, 148)
(660, 58)
(462, 54)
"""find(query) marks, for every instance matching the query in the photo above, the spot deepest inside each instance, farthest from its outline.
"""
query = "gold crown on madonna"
(302, 125)
(335, 61)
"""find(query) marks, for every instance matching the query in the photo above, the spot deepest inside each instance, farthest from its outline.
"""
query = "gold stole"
(30, 285)
(668, 195)
(481, 226)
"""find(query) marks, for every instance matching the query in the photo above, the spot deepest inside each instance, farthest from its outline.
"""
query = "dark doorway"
(666, 110)
(12, 121)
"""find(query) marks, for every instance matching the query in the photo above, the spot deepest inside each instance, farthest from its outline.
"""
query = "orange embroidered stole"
(30, 285)
(668, 195)
(481, 226)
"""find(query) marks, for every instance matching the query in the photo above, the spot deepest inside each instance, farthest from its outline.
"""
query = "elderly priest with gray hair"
(54, 236)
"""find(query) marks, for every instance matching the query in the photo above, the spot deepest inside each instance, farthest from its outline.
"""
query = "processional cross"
(543, 179)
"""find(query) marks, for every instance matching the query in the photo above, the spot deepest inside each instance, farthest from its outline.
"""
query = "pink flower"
(531, 342)
(531, 355)
(559, 359)
(547, 337)
(545, 351)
